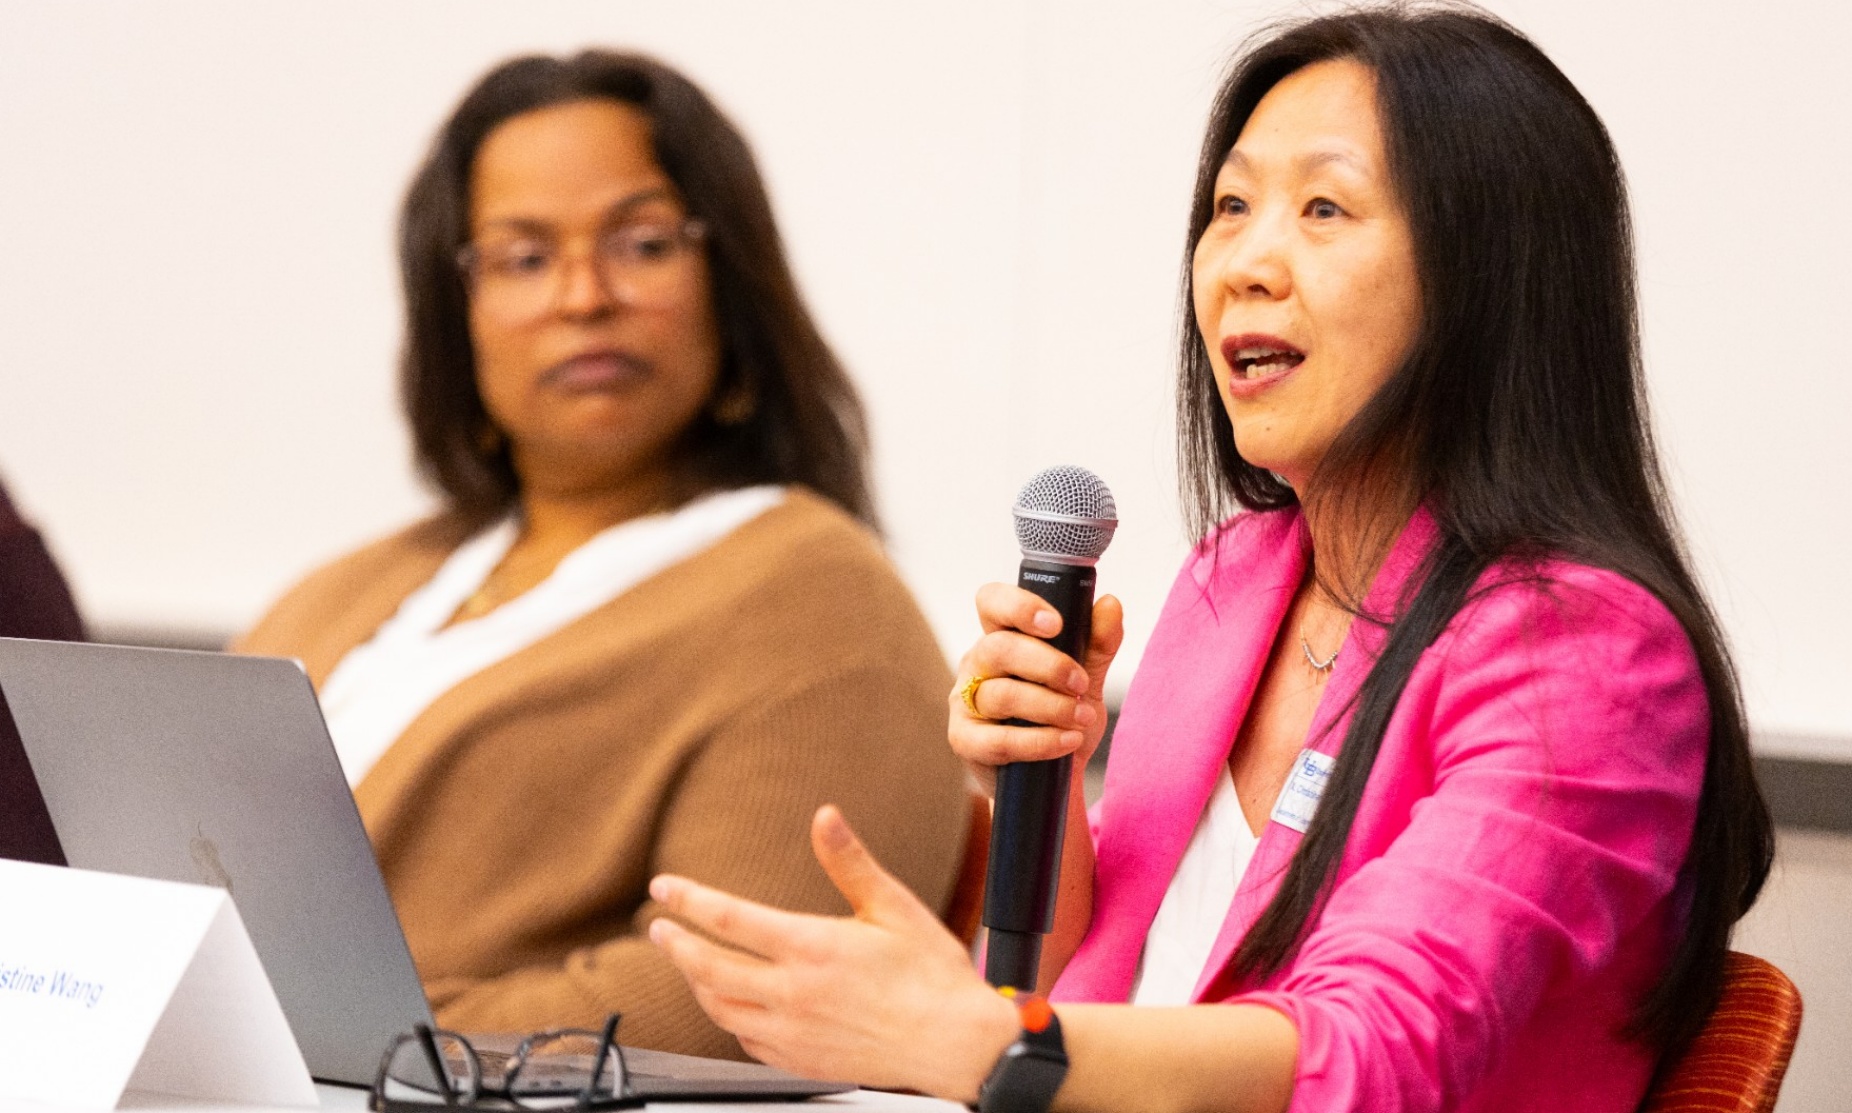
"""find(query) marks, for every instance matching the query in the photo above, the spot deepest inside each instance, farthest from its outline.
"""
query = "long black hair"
(1519, 420)
(805, 423)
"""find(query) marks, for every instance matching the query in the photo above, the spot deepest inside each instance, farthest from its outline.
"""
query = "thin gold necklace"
(1312, 658)
(492, 593)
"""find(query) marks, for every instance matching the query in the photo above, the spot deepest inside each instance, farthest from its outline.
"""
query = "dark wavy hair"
(1519, 420)
(806, 424)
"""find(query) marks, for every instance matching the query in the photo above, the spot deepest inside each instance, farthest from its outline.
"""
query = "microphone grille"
(1065, 514)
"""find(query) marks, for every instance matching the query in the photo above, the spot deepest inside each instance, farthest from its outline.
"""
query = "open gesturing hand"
(885, 997)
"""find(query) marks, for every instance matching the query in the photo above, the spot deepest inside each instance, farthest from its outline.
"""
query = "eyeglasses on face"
(575, 1069)
(645, 264)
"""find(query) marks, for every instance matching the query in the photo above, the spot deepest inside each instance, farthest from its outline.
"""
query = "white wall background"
(985, 200)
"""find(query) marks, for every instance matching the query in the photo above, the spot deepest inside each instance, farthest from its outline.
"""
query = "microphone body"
(1064, 519)
(1029, 822)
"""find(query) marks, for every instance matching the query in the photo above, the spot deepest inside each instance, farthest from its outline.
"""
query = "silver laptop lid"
(212, 768)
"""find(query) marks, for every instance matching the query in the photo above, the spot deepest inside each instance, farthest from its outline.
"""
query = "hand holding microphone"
(1030, 698)
(1028, 681)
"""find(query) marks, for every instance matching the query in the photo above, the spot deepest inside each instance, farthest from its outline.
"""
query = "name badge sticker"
(1299, 799)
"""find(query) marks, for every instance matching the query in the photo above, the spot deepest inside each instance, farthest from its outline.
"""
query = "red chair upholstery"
(966, 909)
(1737, 1062)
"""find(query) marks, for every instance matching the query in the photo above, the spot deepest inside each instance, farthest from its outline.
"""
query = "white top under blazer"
(1195, 906)
(380, 687)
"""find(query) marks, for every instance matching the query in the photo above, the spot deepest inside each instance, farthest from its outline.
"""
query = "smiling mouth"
(1260, 362)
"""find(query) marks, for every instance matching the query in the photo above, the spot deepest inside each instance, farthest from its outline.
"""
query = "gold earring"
(736, 406)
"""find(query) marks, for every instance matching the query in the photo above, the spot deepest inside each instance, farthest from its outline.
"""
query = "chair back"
(966, 908)
(1737, 1062)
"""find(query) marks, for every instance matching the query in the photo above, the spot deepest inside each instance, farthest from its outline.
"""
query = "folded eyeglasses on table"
(561, 1069)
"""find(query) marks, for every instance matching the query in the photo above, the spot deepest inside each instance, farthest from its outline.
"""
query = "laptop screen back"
(217, 769)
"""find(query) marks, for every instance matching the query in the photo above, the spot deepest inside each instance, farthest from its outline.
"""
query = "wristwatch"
(1031, 1069)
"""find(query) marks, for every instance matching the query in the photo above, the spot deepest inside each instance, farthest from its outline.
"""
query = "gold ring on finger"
(968, 693)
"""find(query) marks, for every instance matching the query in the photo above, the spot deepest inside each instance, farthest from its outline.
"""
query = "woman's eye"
(520, 259)
(646, 244)
(1320, 208)
(1230, 205)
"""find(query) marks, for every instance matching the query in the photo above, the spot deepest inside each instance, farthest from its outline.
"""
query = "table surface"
(347, 1099)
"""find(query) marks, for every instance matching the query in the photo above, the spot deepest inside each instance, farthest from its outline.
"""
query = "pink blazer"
(1507, 894)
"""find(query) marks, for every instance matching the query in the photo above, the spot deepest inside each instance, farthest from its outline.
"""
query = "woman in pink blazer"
(1432, 791)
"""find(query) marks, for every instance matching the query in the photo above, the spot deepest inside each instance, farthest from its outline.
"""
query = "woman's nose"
(1256, 262)
(585, 290)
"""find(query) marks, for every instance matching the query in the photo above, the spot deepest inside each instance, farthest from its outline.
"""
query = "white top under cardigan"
(380, 687)
(1195, 906)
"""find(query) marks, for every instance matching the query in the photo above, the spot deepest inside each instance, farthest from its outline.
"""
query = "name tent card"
(112, 983)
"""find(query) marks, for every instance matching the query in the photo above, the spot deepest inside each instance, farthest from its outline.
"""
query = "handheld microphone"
(1064, 519)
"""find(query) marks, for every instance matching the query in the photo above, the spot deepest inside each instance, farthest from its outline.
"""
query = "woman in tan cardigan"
(653, 630)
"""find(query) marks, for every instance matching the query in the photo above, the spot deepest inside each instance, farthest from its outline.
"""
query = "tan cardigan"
(693, 725)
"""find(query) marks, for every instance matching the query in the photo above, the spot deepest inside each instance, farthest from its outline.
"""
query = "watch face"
(1025, 1081)
(1040, 1076)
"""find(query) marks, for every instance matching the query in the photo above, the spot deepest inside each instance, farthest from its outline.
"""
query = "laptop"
(217, 769)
